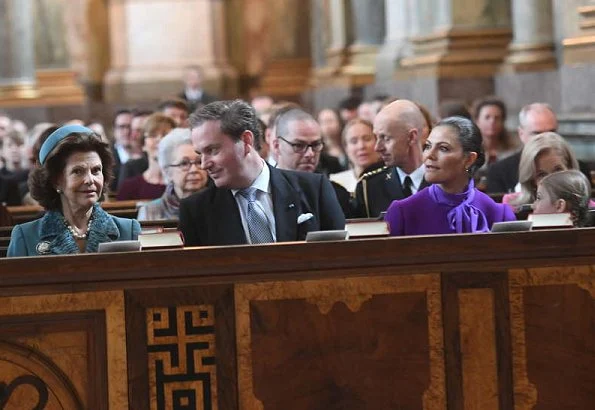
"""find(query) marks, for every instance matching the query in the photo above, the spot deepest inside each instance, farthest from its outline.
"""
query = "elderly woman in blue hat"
(75, 168)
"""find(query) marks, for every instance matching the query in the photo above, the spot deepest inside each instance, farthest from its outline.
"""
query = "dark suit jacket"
(133, 168)
(117, 165)
(504, 174)
(212, 217)
(194, 104)
(380, 189)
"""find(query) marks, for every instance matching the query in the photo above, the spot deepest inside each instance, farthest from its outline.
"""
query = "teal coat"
(49, 236)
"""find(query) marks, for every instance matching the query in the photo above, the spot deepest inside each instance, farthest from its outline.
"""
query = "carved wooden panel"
(343, 343)
(29, 380)
(477, 340)
(553, 333)
(72, 345)
(181, 348)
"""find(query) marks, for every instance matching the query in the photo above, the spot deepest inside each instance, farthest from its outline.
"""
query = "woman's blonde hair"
(574, 188)
(538, 145)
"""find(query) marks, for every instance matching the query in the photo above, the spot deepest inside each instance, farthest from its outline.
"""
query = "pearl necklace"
(74, 231)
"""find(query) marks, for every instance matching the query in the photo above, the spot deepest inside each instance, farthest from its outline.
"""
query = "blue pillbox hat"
(57, 136)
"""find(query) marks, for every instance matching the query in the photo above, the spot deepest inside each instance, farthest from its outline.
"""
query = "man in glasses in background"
(299, 146)
(250, 202)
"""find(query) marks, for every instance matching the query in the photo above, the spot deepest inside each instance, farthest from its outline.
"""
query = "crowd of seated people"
(379, 158)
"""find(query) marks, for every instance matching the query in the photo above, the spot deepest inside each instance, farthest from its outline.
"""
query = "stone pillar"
(17, 60)
(368, 20)
(577, 74)
(532, 47)
(152, 41)
(398, 24)
(340, 35)
(466, 45)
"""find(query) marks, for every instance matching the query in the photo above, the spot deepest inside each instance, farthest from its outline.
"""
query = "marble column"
(152, 41)
(340, 35)
(458, 46)
(398, 24)
(532, 47)
(368, 20)
(17, 58)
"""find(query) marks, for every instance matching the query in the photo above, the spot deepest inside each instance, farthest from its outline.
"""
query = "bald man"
(397, 128)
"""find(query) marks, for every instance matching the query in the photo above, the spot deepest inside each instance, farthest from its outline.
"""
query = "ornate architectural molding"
(458, 53)
(581, 49)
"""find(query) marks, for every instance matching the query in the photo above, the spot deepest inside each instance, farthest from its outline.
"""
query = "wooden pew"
(13, 215)
(486, 321)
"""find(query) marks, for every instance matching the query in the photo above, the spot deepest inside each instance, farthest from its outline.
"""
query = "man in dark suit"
(194, 94)
(534, 119)
(122, 147)
(397, 127)
(248, 201)
(299, 147)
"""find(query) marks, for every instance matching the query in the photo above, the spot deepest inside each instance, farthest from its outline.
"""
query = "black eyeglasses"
(186, 164)
(302, 147)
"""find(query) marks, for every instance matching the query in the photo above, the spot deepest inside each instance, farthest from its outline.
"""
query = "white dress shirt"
(416, 176)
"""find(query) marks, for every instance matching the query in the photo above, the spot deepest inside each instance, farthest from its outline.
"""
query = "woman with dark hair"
(452, 204)
(74, 168)
(490, 116)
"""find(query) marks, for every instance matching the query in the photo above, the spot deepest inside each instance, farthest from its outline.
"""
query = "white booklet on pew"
(544, 221)
(366, 228)
(167, 238)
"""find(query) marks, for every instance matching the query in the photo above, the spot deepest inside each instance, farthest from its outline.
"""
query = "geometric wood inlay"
(181, 354)
(374, 342)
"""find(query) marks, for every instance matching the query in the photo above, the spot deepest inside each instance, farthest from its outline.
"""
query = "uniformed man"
(397, 128)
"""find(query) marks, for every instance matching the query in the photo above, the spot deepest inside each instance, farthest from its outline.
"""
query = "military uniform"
(376, 190)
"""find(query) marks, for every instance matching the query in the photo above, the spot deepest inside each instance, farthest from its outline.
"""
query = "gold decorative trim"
(579, 41)
(52, 87)
(24, 91)
(358, 290)
(112, 303)
(525, 392)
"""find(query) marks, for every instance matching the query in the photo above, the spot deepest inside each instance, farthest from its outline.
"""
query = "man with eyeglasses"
(249, 201)
(122, 148)
(299, 146)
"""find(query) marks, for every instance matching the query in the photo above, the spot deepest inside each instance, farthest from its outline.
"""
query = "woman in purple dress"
(452, 153)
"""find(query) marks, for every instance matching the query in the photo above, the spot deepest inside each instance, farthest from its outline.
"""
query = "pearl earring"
(58, 191)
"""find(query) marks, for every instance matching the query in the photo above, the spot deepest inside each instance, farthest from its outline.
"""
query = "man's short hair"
(350, 103)
(294, 114)
(173, 103)
(236, 116)
(121, 111)
(530, 107)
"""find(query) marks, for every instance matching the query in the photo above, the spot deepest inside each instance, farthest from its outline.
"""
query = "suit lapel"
(392, 185)
(286, 205)
(226, 221)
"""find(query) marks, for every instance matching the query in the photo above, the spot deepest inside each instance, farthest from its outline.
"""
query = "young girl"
(565, 191)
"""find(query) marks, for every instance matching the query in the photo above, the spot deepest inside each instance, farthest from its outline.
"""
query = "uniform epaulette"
(371, 173)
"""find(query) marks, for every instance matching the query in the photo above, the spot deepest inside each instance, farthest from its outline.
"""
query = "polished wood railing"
(492, 321)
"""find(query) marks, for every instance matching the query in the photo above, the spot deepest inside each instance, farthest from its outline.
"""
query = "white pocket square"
(304, 217)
